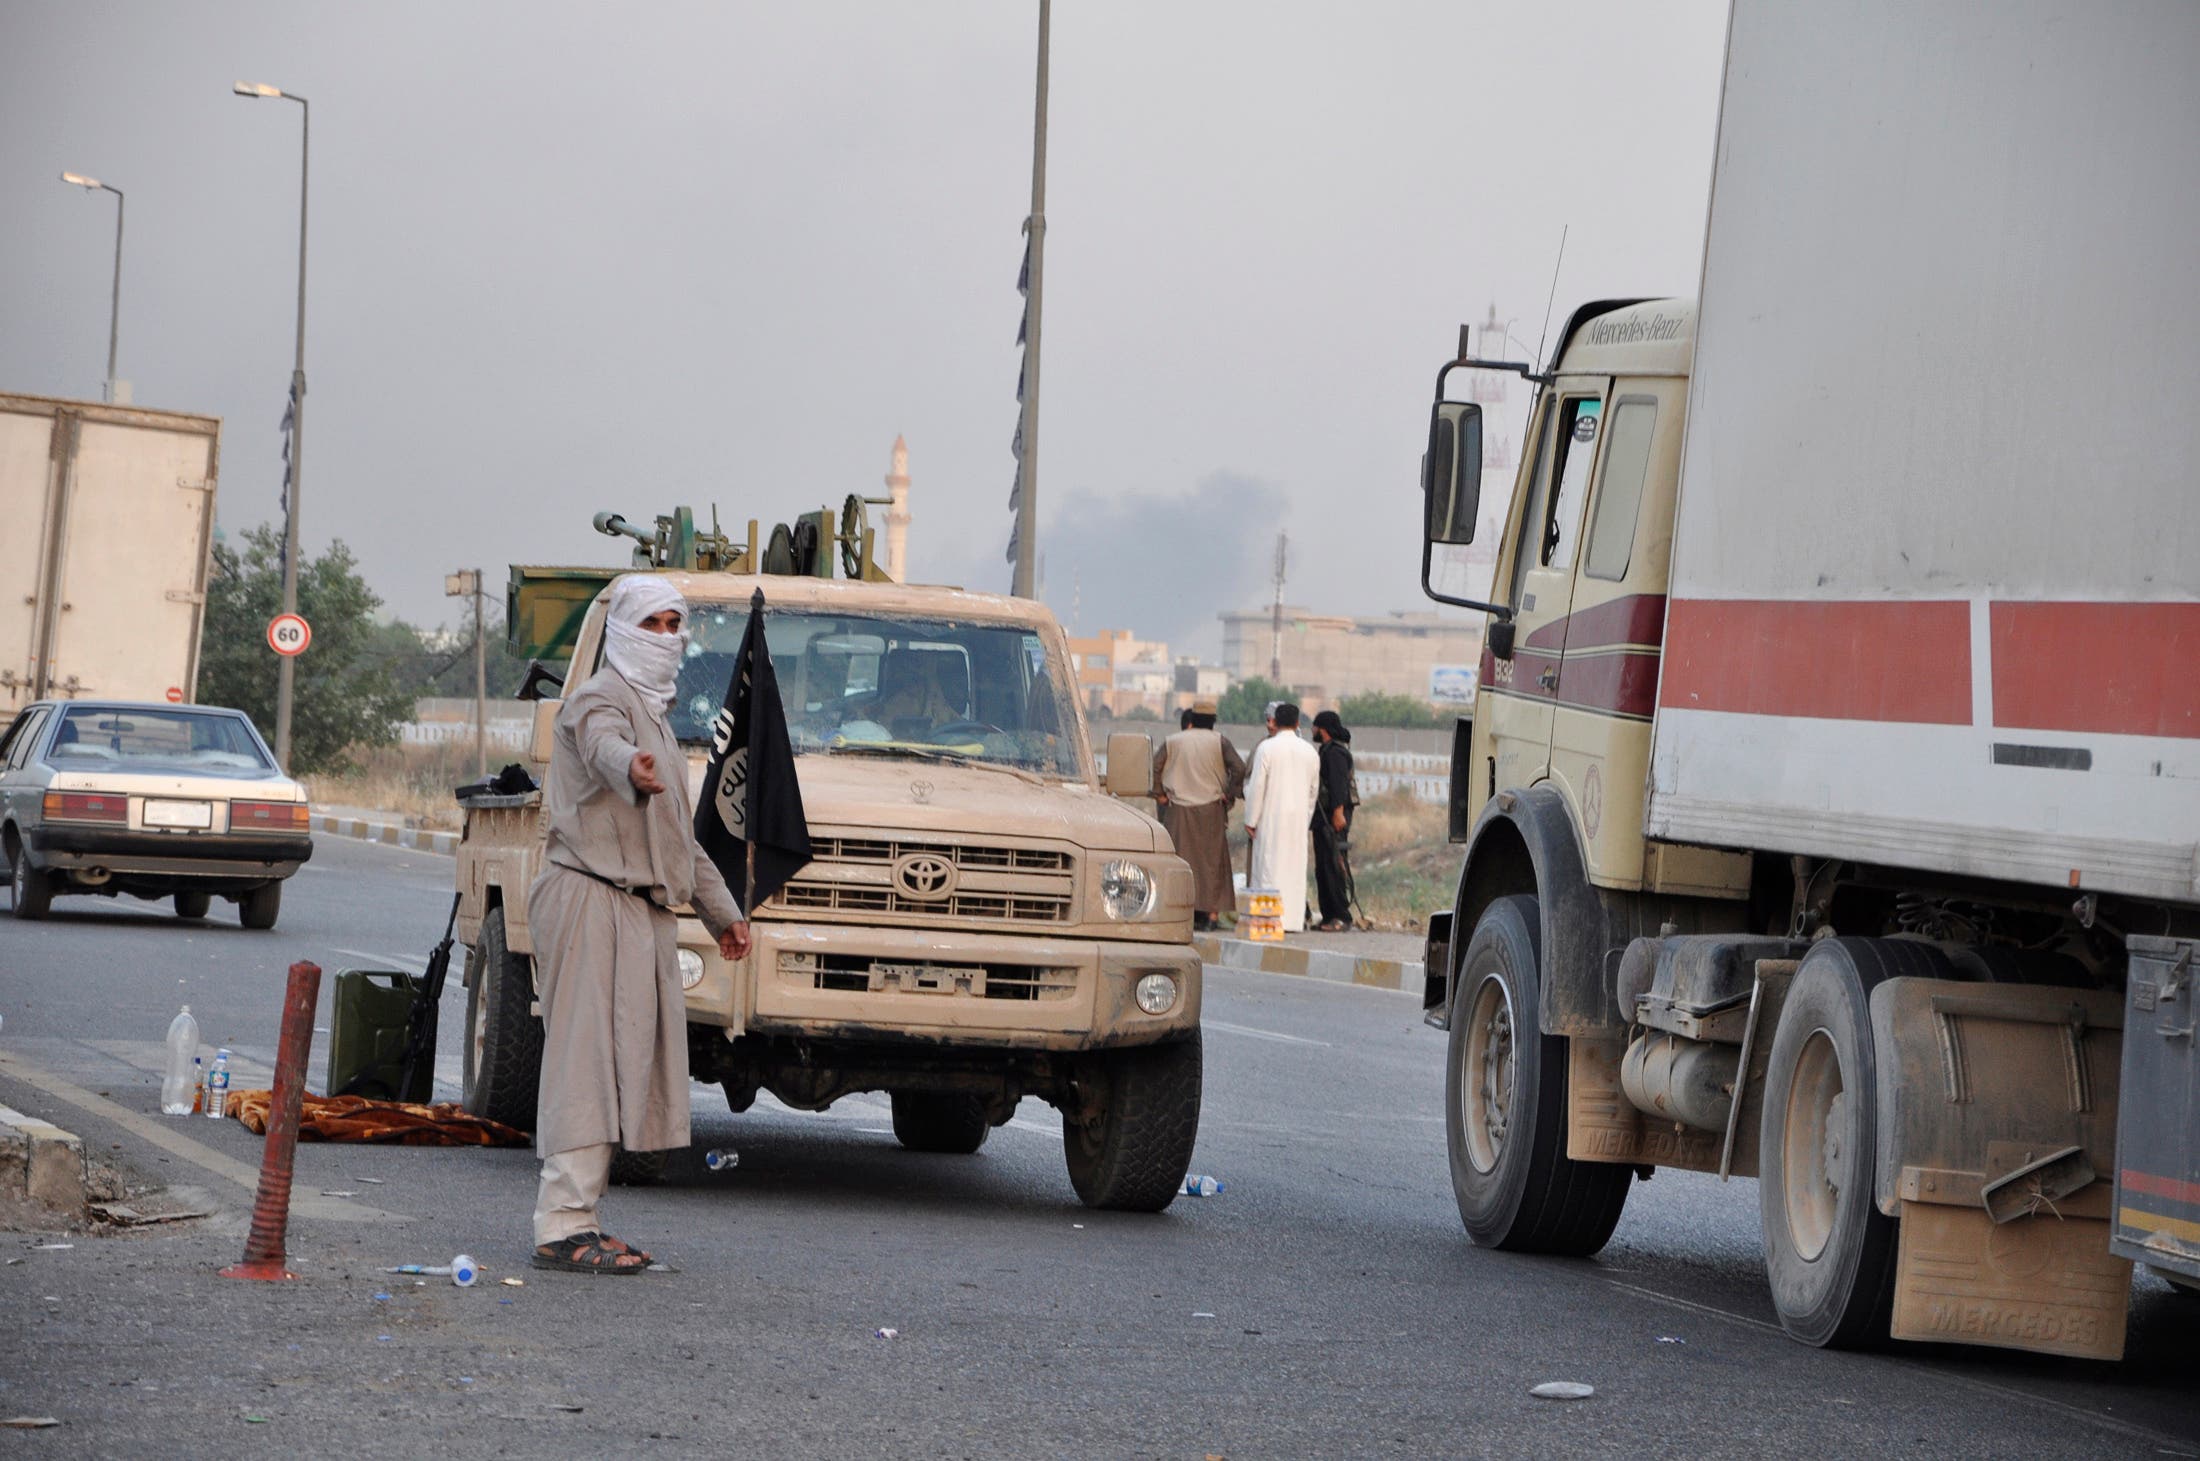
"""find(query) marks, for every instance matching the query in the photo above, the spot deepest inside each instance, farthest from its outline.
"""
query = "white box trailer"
(1935, 591)
(110, 514)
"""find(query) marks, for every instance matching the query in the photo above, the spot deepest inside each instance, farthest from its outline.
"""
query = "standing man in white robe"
(1279, 808)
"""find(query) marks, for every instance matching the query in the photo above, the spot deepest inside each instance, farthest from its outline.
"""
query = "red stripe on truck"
(1898, 660)
(2133, 1180)
(2120, 669)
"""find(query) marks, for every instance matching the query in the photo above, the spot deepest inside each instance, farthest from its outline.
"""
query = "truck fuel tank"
(1680, 1079)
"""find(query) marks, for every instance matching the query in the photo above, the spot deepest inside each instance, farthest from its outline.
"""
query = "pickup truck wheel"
(31, 890)
(503, 1039)
(1505, 1104)
(940, 1121)
(636, 1169)
(193, 905)
(1134, 1156)
(1829, 1250)
(258, 908)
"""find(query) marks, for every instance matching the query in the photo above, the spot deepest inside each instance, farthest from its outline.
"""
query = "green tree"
(1245, 702)
(345, 695)
(1405, 712)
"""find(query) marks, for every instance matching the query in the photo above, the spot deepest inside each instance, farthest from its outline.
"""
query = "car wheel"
(940, 1121)
(193, 905)
(1133, 1155)
(636, 1169)
(31, 889)
(258, 908)
(503, 1037)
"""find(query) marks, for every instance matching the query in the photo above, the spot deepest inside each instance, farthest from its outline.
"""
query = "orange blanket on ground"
(355, 1118)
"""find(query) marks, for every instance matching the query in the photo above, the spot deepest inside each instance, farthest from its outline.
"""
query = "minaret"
(897, 514)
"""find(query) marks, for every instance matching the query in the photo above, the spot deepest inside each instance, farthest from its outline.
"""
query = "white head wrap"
(650, 661)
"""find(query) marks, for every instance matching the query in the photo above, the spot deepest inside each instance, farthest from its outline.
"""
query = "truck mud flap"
(2157, 1154)
(1997, 1118)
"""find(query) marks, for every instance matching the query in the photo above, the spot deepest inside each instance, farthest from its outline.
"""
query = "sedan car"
(157, 801)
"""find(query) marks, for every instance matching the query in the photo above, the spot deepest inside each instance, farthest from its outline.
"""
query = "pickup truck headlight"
(691, 968)
(1127, 890)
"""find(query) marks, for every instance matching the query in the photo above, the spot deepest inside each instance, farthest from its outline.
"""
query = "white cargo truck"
(1832, 792)
(103, 563)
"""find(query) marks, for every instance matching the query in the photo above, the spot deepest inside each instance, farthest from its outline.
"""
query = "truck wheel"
(193, 905)
(1134, 1157)
(1505, 1104)
(31, 889)
(636, 1169)
(940, 1121)
(258, 908)
(1829, 1250)
(503, 1040)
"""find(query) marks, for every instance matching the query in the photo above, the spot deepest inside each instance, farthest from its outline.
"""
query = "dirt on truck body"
(981, 920)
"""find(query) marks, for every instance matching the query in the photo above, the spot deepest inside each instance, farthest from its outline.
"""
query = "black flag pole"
(749, 818)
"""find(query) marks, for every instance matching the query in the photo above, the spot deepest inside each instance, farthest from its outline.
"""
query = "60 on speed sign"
(289, 634)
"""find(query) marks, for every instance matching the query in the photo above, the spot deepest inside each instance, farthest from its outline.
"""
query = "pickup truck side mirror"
(543, 731)
(1130, 765)
(1500, 635)
(1451, 473)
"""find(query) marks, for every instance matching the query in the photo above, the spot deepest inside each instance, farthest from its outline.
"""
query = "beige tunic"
(614, 1058)
(1200, 774)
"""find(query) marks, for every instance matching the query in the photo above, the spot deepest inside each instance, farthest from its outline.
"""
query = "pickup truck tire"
(940, 1121)
(1829, 1250)
(636, 1169)
(30, 889)
(1505, 1103)
(258, 908)
(193, 905)
(1133, 1159)
(503, 1039)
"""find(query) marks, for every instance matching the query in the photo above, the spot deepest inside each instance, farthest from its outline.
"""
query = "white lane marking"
(1279, 1038)
(409, 965)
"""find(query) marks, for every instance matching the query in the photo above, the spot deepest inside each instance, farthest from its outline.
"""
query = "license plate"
(179, 814)
(916, 976)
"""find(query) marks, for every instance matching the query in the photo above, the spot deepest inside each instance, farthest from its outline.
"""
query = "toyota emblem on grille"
(925, 876)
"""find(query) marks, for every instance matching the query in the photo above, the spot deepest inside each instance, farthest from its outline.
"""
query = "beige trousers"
(573, 1183)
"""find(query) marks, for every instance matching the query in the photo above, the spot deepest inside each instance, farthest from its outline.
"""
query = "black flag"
(749, 817)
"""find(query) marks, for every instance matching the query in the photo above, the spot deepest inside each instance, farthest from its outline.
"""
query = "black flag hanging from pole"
(749, 817)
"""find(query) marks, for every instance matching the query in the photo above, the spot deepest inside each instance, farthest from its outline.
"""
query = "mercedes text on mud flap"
(1832, 788)
(981, 921)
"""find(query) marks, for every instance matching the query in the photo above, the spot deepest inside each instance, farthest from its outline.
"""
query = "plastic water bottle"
(183, 1053)
(722, 1159)
(217, 1086)
(1198, 1185)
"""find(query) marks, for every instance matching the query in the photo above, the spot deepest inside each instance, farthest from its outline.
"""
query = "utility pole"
(1035, 227)
(458, 585)
(1275, 618)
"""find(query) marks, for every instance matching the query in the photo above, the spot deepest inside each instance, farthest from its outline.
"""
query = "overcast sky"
(568, 257)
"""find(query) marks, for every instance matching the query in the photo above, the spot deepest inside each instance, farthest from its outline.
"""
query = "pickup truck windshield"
(89, 737)
(924, 688)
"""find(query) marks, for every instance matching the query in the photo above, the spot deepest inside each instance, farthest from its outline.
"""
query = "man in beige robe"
(621, 855)
(1197, 774)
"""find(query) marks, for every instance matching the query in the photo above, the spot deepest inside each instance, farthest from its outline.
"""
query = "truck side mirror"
(544, 730)
(1451, 473)
(1130, 765)
(1500, 635)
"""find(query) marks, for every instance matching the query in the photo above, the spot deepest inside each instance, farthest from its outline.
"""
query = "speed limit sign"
(289, 634)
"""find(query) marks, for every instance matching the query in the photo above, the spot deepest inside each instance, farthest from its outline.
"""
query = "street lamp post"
(114, 307)
(286, 670)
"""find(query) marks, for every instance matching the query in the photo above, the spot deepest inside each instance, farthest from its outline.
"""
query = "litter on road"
(50, 1247)
(29, 1422)
(1563, 1390)
(513, 1283)
(887, 1333)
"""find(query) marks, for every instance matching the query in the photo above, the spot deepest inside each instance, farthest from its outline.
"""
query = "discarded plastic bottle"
(183, 1054)
(722, 1159)
(217, 1086)
(1197, 1185)
(198, 1085)
(461, 1270)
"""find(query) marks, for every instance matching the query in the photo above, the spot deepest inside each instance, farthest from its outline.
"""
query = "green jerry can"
(366, 1037)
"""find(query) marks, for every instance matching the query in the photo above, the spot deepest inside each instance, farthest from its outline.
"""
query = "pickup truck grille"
(858, 974)
(861, 876)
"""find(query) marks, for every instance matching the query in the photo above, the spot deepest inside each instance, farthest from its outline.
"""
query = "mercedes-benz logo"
(925, 876)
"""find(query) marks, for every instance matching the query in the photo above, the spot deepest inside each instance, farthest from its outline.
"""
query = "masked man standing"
(620, 857)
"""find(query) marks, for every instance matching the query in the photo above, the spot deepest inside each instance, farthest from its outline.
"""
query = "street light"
(286, 670)
(114, 308)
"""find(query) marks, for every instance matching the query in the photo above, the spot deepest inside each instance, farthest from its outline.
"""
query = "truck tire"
(31, 890)
(193, 905)
(258, 908)
(1133, 1159)
(503, 1039)
(636, 1169)
(1505, 1104)
(1829, 1250)
(940, 1121)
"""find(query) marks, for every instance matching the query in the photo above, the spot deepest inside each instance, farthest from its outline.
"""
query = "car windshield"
(206, 740)
(891, 685)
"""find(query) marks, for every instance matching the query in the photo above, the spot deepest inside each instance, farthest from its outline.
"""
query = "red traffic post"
(263, 1246)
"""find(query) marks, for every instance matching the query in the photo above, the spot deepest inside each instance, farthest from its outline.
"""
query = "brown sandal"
(590, 1253)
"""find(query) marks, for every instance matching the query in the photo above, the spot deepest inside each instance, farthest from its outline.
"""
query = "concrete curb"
(1328, 965)
(389, 834)
(40, 1164)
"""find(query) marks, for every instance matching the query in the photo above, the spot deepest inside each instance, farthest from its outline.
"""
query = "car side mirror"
(1130, 765)
(1451, 473)
(1500, 635)
(544, 731)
